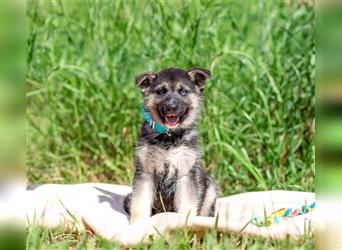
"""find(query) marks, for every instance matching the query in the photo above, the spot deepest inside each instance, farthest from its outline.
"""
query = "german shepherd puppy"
(169, 176)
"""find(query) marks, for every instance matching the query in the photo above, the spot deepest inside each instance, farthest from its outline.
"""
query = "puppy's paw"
(138, 220)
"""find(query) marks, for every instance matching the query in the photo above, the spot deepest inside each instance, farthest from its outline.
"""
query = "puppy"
(169, 176)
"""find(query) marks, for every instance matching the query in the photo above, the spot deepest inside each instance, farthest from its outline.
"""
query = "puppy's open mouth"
(171, 120)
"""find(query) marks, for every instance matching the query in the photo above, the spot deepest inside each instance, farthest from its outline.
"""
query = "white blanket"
(98, 207)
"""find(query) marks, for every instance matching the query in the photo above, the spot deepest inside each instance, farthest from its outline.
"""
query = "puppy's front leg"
(142, 199)
(186, 198)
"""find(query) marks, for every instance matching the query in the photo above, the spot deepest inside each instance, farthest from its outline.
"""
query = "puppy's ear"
(144, 80)
(199, 76)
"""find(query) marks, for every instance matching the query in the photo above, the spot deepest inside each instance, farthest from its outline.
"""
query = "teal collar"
(155, 126)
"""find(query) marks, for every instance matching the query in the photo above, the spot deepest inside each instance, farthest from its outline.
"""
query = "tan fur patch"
(190, 135)
(150, 103)
(142, 199)
(210, 196)
(193, 112)
(185, 198)
(180, 85)
(153, 159)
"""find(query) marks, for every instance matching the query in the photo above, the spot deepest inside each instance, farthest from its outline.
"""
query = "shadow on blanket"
(114, 200)
(98, 207)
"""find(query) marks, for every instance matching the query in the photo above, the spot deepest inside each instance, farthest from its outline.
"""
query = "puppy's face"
(172, 96)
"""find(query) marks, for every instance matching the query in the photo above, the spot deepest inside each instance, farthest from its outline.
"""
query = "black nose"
(171, 106)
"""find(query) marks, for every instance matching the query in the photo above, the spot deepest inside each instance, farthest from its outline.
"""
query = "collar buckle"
(152, 124)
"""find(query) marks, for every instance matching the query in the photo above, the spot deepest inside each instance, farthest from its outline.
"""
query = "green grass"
(38, 238)
(257, 124)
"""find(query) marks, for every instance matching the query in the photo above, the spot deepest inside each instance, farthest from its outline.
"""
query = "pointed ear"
(199, 76)
(144, 80)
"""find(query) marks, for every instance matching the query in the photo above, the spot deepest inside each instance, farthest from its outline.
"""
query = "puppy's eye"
(183, 92)
(161, 91)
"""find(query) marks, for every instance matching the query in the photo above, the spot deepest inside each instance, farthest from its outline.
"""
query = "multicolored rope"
(282, 213)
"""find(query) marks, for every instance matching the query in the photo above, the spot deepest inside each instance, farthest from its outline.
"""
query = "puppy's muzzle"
(171, 106)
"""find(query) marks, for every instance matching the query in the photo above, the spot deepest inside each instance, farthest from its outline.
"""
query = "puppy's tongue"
(171, 120)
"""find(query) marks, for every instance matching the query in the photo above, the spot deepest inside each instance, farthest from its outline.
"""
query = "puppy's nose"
(171, 106)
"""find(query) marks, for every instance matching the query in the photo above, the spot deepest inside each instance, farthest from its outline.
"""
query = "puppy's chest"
(173, 160)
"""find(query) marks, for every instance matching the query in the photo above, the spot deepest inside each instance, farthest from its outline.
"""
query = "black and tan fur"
(168, 171)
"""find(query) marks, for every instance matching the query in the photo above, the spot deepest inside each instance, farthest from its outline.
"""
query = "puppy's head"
(173, 96)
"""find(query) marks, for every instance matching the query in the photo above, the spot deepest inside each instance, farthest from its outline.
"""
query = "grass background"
(257, 124)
